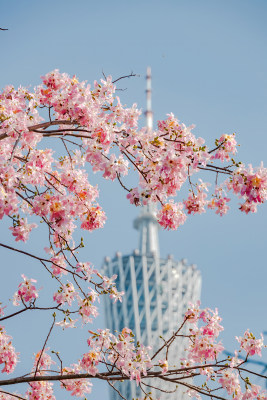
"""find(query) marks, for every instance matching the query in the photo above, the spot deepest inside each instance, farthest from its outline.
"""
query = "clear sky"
(209, 64)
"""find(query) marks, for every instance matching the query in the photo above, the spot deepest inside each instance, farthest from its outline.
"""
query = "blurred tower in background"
(157, 291)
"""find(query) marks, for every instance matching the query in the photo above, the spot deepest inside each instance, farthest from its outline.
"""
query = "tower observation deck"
(157, 292)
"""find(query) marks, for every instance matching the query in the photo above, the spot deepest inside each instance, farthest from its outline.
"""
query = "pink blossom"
(44, 362)
(65, 294)
(87, 309)
(8, 356)
(27, 291)
(2, 310)
(44, 389)
(195, 203)
(107, 282)
(134, 197)
(94, 219)
(227, 145)
(192, 314)
(58, 261)
(115, 295)
(130, 359)
(171, 215)
(77, 387)
(22, 230)
(87, 269)
(220, 204)
(230, 381)
(164, 365)
(40, 390)
(115, 166)
(89, 362)
(251, 185)
(250, 344)
(67, 323)
(254, 392)
(203, 346)
(193, 393)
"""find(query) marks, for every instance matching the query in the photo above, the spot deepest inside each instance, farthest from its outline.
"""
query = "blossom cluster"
(226, 147)
(8, 355)
(36, 184)
(132, 360)
(121, 351)
(204, 346)
(250, 344)
(77, 387)
(250, 185)
(67, 294)
(42, 389)
(204, 349)
(110, 142)
(26, 293)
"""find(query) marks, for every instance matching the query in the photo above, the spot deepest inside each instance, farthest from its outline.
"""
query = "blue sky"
(209, 63)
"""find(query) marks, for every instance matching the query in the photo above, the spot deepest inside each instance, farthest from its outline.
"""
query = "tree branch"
(29, 308)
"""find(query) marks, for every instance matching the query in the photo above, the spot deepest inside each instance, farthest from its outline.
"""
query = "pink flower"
(67, 323)
(89, 362)
(220, 204)
(171, 215)
(94, 219)
(27, 291)
(58, 262)
(134, 197)
(8, 356)
(164, 365)
(203, 346)
(87, 309)
(193, 393)
(130, 359)
(65, 294)
(115, 295)
(250, 344)
(227, 145)
(40, 390)
(251, 185)
(22, 230)
(254, 392)
(2, 310)
(77, 387)
(230, 381)
(195, 204)
(87, 269)
(44, 362)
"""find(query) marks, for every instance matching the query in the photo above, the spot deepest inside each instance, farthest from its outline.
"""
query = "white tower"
(157, 292)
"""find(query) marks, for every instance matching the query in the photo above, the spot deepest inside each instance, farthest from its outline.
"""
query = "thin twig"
(169, 341)
(126, 76)
(11, 394)
(39, 259)
(61, 363)
(46, 340)
(29, 308)
(15, 145)
(124, 187)
(119, 393)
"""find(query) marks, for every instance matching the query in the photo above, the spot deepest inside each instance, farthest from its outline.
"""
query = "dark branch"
(126, 76)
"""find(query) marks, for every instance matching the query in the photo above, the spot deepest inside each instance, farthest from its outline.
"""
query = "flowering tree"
(39, 185)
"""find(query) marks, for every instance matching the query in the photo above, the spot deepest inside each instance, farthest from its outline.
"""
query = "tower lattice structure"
(157, 293)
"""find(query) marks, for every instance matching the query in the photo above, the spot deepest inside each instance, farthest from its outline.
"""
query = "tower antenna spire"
(148, 113)
(146, 223)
